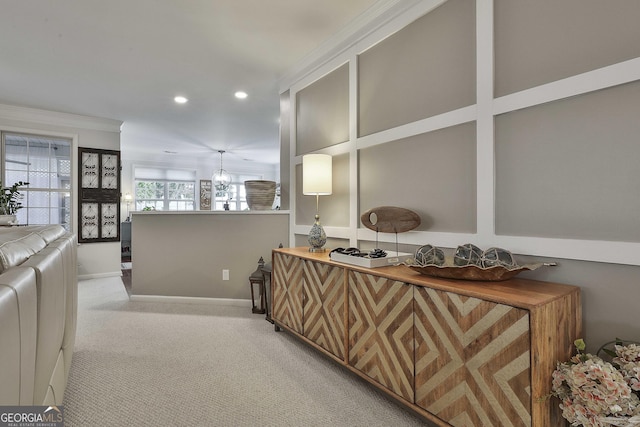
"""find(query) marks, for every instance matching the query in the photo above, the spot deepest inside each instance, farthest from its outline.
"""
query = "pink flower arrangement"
(597, 393)
(628, 361)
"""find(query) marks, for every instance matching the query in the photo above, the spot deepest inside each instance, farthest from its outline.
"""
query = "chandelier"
(221, 178)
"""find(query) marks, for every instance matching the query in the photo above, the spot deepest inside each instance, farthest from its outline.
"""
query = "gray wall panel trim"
(285, 150)
(602, 78)
(441, 121)
(484, 125)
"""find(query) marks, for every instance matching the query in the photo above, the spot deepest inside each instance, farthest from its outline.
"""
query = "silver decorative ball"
(498, 257)
(468, 254)
(428, 254)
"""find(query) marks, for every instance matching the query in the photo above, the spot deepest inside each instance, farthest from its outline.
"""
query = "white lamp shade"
(316, 174)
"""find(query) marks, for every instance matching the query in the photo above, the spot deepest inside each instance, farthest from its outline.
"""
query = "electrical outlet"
(225, 274)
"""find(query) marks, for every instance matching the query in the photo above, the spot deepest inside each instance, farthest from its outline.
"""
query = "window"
(45, 163)
(235, 197)
(164, 189)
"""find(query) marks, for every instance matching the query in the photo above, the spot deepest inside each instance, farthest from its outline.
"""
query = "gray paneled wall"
(425, 69)
(569, 169)
(184, 254)
(439, 122)
(433, 174)
(323, 112)
(542, 41)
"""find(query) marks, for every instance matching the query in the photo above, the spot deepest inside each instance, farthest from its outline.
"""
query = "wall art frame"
(99, 195)
(205, 194)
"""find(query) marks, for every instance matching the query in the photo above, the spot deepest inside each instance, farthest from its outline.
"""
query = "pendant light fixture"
(221, 178)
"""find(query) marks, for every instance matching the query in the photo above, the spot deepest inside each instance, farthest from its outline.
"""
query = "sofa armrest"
(18, 335)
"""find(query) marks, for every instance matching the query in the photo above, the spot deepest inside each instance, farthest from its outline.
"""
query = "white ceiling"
(127, 59)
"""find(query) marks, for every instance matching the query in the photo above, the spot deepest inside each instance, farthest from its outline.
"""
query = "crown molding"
(54, 118)
(373, 18)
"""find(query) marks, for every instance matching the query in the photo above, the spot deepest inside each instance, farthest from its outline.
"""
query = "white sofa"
(38, 312)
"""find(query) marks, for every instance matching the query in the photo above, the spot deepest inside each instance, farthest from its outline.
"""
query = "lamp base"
(317, 250)
(317, 237)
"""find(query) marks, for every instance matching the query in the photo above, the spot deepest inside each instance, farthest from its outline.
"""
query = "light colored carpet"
(162, 364)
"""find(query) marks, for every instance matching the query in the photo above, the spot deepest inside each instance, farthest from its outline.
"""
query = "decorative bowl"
(472, 272)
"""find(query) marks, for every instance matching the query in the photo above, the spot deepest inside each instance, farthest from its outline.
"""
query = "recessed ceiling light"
(180, 99)
(240, 94)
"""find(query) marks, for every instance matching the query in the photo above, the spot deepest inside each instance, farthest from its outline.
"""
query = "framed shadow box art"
(99, 195)
(205, 194)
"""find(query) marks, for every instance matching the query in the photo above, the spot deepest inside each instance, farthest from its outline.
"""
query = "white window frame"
(71, 198)
(166, 176)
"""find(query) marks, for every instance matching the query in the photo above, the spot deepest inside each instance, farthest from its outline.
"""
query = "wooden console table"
(458, 353)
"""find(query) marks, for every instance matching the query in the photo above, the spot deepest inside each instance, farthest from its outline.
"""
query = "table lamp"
(316, 181)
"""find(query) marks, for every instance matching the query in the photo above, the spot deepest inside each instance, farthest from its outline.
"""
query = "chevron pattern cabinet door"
(473, 365)
(287, 291)
(381, 341)
(324, 321)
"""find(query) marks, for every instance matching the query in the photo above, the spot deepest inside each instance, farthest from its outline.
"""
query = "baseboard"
(191, 300)
(100, 275)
